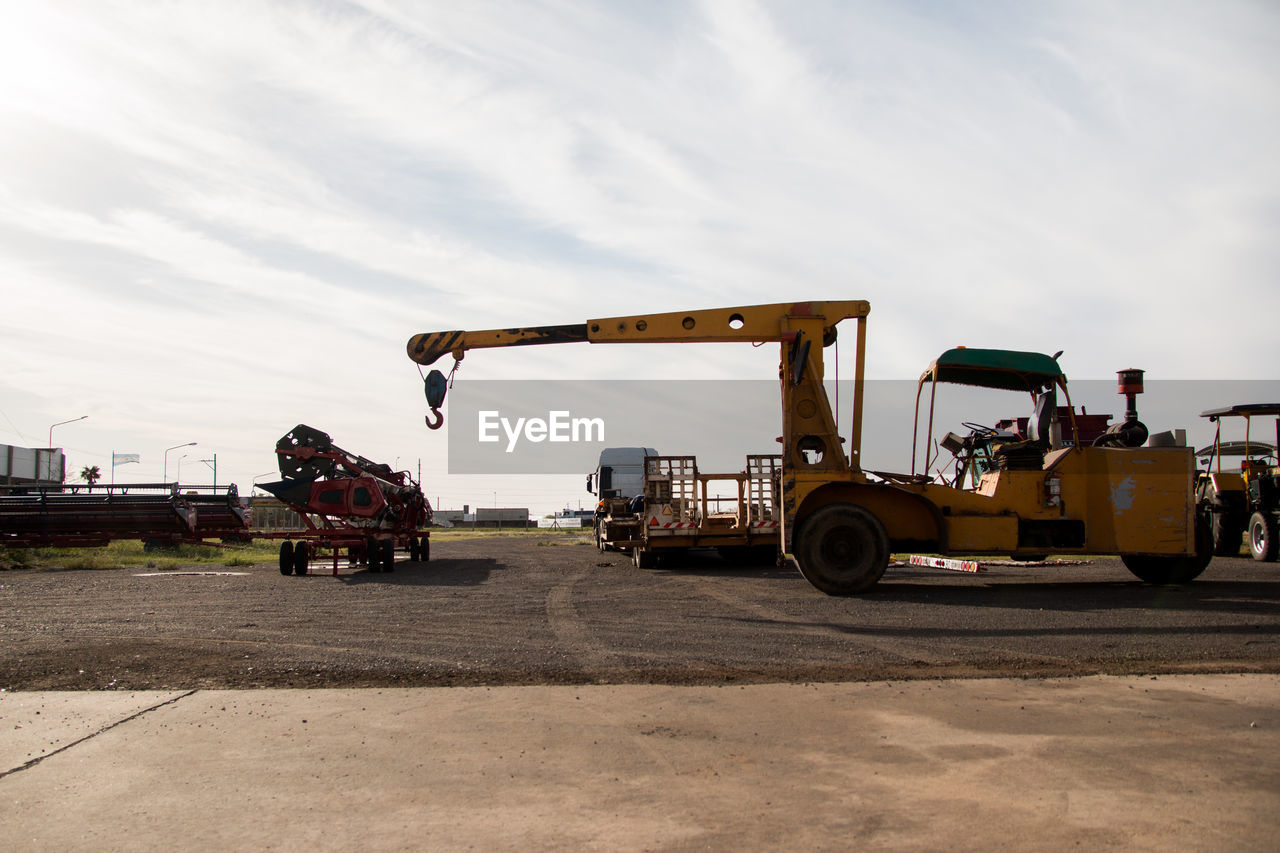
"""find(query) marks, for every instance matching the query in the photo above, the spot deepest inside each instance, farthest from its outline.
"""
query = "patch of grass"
(459, 534)
(132, 552)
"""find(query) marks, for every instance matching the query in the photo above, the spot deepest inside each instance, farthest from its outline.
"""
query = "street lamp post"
(166, 456)
(48, 469)
(178, 476)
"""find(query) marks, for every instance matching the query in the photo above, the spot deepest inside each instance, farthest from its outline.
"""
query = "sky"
(219, 220)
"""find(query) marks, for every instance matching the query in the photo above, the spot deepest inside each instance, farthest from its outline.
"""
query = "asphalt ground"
(515, 611)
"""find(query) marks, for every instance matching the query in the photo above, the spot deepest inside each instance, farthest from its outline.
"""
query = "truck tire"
(1171, 570)
(286, 557)
(1262, 537)
(842, 549)
(644, 558)
(1227, 535)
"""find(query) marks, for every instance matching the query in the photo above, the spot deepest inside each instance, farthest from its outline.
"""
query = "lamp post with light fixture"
(166, 457)
(48, 471)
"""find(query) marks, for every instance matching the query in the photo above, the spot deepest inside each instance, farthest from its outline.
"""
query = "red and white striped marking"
(945, 563)
(765, 524)
(670, 525)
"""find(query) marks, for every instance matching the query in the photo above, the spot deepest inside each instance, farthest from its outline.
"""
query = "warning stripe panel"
(945, 563)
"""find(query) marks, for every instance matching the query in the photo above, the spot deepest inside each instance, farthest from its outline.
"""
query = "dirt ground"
(513, 611)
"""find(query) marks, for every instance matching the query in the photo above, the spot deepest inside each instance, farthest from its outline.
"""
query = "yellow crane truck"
(840, 523)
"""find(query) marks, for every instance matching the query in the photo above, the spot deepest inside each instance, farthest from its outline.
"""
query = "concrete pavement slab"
(36, 725)
(1139, 763)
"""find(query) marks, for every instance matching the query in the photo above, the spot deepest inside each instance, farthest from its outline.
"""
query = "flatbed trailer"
(299, 549)
(679, 511)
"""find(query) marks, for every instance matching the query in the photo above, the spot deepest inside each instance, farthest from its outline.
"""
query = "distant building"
(502, 516)
(31, 466)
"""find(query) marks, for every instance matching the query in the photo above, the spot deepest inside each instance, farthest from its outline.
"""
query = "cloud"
(248, 208)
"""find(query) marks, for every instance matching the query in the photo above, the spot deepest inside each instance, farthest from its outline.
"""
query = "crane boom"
(753, 323)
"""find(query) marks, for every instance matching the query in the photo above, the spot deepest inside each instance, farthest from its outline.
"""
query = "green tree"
(90, 474)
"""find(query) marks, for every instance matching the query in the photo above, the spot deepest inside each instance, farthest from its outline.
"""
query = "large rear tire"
(1263, 542)
(842, 549)
(300, 556)
(1171, 570)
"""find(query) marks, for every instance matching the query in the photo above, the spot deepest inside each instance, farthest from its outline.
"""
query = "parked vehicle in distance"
(1242, 498)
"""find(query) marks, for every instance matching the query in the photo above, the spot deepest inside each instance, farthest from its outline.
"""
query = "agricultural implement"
(346, 502)
(93, 516)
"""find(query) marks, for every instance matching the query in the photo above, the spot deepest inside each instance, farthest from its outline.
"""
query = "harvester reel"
(303, 436)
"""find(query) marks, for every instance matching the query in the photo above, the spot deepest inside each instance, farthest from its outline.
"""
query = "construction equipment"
(839, 522)
(1243, 499)
(346, 501)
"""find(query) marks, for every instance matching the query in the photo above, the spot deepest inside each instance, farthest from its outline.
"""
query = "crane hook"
(435, 384)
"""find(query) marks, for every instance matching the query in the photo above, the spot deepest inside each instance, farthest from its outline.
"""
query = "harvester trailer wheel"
(373, 555)
(1170, 570)
(286, 557)
(842, 549)
(388, 554)
(424, 549)
(1263, 542)
(300, 556)
(414, 549)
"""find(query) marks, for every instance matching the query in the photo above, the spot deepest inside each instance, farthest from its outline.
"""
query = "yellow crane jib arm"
(752, 323)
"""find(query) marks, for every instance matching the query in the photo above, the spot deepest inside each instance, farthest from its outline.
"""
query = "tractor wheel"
(388, 555)
(1262, 537)
(1227, 535)
(286, 557)
(300, 557)
(1170, 570)
(842, 549)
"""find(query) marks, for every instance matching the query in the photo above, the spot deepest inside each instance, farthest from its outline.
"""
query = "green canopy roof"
(1243, 410)
(995, 368)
